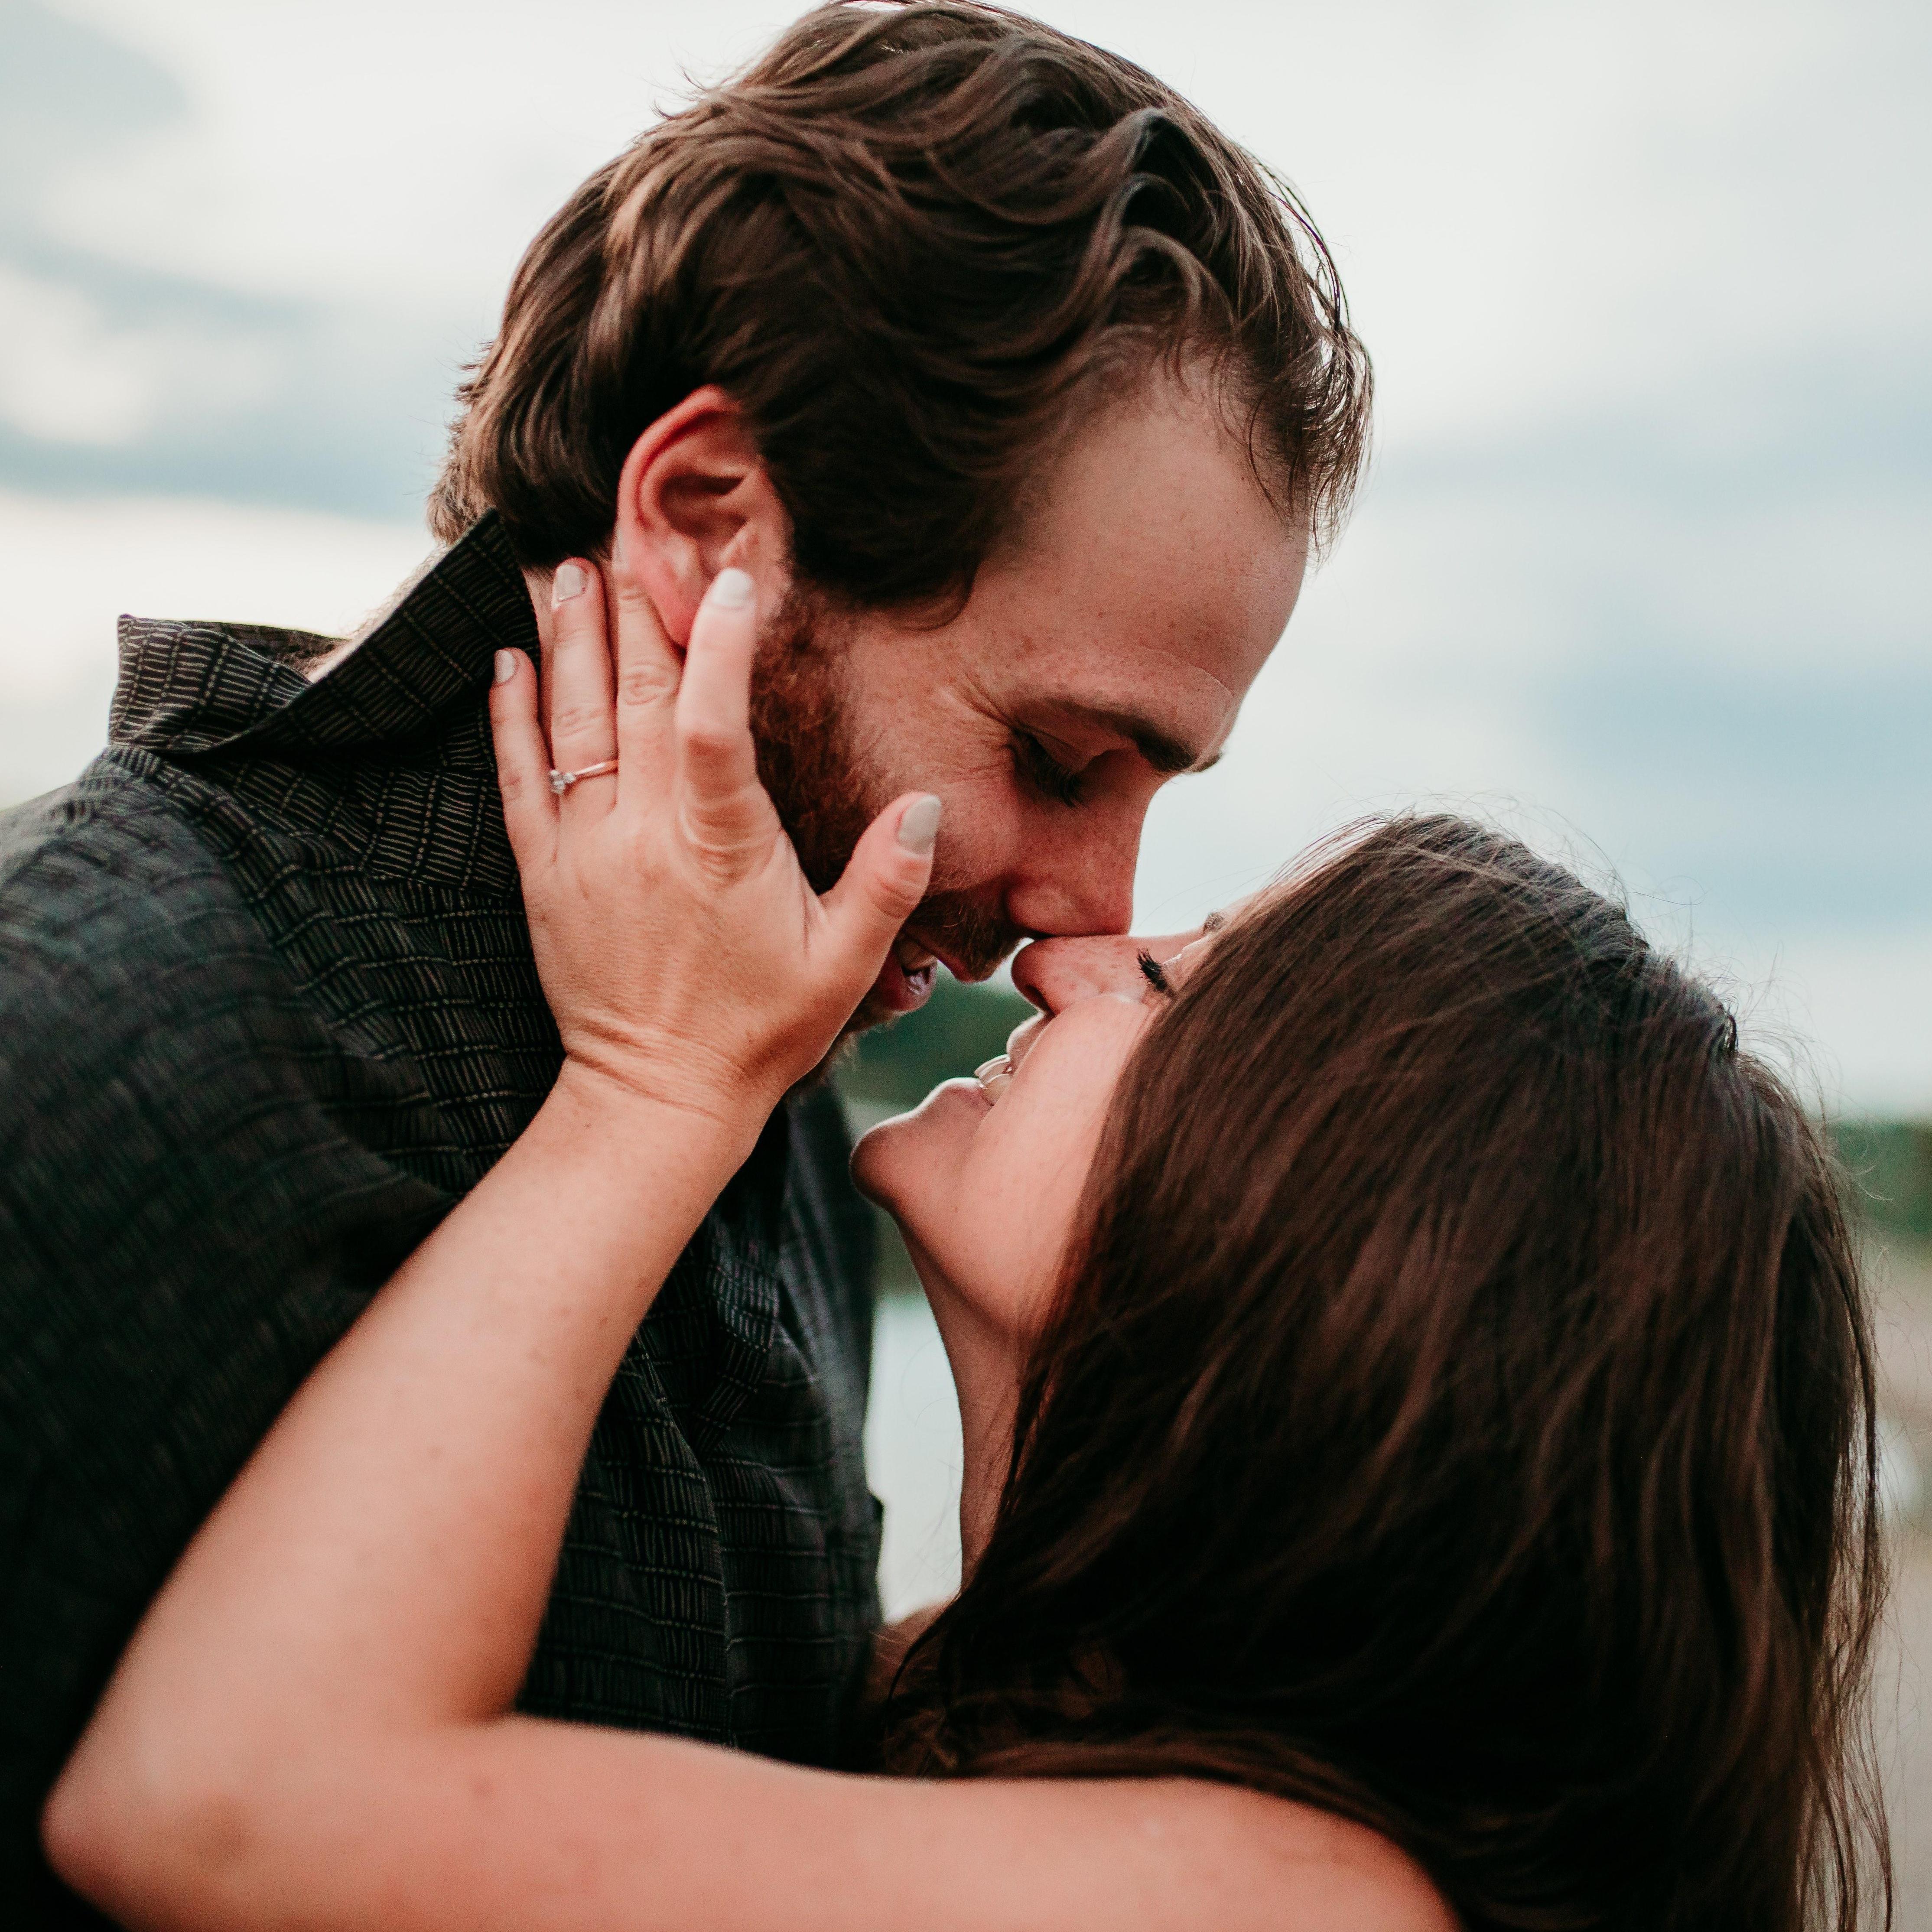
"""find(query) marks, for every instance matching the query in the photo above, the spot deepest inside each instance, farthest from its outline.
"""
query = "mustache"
(974, 936)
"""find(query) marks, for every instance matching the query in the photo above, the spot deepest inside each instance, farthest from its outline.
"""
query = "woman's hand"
(684, 954)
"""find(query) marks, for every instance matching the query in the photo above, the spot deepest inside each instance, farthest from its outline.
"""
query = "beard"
(828, 786)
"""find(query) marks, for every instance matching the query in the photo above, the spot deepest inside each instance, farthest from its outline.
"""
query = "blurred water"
(913, 1455)
(1901, 1483)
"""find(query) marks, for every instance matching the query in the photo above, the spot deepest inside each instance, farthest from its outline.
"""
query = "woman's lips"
(997, 1074)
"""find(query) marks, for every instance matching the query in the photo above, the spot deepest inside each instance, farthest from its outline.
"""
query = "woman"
(1418, 1413)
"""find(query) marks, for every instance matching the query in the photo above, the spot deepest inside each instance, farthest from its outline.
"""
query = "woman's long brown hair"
(1458, 1413)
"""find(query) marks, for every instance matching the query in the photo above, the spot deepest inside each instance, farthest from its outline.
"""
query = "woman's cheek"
(1024, 1196)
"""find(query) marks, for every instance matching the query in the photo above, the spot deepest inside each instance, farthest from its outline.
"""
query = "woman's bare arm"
(375, 1576)
(528, 1826)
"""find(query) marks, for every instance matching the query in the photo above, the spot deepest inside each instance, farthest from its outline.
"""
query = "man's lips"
(967, 976)
(905, 981)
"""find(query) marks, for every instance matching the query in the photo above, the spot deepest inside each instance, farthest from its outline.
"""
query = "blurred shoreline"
(1899, 1272)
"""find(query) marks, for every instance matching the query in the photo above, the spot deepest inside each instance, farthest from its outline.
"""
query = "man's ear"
(693, 499)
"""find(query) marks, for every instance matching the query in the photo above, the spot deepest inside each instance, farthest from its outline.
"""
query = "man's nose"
(1083, 885)
(1054, 973)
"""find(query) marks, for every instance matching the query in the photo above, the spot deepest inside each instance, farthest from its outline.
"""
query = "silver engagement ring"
(560, 782)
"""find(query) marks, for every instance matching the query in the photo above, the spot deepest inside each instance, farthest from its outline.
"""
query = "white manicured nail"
(506, 666)
(919, 824)
(568, 583)
(732, 589)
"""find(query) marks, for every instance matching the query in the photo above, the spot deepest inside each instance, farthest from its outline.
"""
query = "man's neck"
(537, 583)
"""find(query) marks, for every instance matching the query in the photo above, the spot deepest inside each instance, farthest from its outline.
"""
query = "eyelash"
(1154, 973)
(1045, 772)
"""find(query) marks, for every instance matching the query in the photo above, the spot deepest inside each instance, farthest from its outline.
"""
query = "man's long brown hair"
(911, 243)
(1458, 1413)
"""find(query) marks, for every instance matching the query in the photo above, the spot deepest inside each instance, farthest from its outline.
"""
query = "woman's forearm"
(384, 1559)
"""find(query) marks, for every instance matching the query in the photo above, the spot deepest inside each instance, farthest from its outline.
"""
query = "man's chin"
(874, 1009)
(885, 1003)
(870, 1014)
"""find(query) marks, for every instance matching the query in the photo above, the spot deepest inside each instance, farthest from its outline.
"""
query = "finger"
(649, 668)
(717, 765)
(883, 881)
(522, 759)
(583, 726)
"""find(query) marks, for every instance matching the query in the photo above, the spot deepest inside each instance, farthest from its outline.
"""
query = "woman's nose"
(1054, 973)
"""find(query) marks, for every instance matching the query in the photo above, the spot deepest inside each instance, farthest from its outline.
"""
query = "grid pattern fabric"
(267, 1011)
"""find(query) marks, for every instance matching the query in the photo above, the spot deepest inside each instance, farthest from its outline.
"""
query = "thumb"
(885, 878)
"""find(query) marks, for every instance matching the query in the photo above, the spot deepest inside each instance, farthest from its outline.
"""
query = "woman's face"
(984, 1177)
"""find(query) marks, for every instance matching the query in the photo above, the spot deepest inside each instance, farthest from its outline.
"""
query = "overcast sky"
(1641, 565)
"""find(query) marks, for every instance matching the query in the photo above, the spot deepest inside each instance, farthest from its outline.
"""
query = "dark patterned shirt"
(267, 1012)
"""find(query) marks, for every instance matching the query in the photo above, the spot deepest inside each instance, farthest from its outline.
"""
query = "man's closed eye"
(1046, 774)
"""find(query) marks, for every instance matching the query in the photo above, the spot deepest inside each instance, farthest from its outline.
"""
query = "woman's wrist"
(708, 1115)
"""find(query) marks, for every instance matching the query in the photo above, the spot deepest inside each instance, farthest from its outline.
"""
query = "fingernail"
(506, 666)
(919, 824)
(568, 583)
(732, 589)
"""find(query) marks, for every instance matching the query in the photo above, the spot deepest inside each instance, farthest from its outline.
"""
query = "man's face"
(1105, 651)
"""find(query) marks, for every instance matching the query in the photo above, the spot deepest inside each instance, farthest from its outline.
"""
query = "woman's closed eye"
(1155, 974)
(1045, 774)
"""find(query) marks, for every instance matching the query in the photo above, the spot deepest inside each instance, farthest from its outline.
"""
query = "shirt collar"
(388, 753)
(188, 689)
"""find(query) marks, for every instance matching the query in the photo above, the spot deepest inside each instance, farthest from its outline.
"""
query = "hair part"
(911, 243)
(1516, 1498)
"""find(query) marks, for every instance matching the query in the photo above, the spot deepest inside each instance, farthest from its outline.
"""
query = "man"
(1022, 393)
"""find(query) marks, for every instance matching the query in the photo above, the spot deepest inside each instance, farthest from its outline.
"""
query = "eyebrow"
(1164, 752)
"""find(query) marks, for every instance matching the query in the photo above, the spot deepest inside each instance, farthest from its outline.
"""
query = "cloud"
(132, 381)
(66, 91)
(107, 377)
(1800, 801)
(120, 376)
